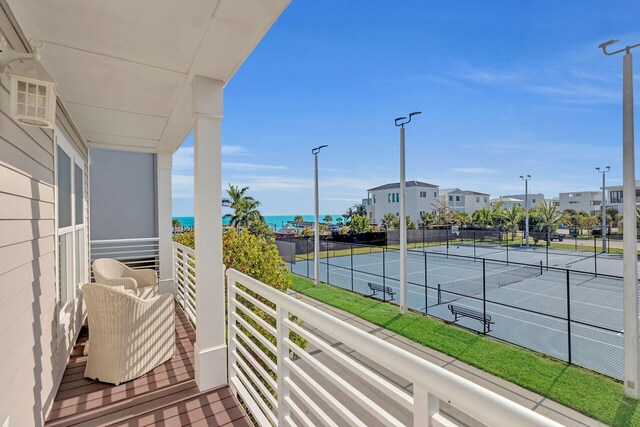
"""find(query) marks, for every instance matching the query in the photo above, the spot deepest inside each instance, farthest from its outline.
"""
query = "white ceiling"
(124, 67)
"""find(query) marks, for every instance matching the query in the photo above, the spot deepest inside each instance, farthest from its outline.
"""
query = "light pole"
(630, 259)
(400, 122)
(316, 226)
(526, 179)
(603, 223)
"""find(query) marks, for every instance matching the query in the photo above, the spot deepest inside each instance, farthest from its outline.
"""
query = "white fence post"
(283, 369)
(425, 405)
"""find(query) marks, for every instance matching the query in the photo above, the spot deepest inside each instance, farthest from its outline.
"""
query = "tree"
(298, 219)
(245, 212)
(359, 224)
(461, 219)
(411, 225)
(444, 214)
(389, 221)
(339, 221)
(260, 228)
(483, 218)
(549, 217)
(245, 208)
(175, 224)
(512, 217)
(427, 219)
(328, 219)
(588, 222)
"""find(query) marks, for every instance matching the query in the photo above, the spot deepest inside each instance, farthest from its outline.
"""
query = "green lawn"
(595, 395)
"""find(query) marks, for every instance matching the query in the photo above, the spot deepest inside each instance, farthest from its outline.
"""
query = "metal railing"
(329, 372)
(135, 253)
(184, 260)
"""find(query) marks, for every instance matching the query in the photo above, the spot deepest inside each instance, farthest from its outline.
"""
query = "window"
(573, 202)
(615, 196)
(421, 213)
(594, 213)
(435, 194)
(451, 198)
(397, 214)
(457, 198)
(72, 258)
(423, 194)
(397, 197)
(389, 198)
(596, 203)
(477, 199)
(374, 199)
(533, 200)
(486, 199)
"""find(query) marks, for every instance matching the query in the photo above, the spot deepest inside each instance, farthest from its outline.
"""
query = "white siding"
(32, 358)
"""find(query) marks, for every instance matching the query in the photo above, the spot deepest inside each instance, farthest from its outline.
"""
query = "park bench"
(459, 311)
(375, 288)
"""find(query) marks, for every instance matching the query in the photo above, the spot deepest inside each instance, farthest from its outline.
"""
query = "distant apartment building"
(554, 201)
(586, 201)
(464, 200)
(506, 202)
(615, 199)
(420, 197)
(535, 200)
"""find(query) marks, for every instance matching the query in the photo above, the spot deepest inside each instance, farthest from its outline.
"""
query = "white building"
(586, 201)
(614, 196)
(464, 200)
(421, 197)
(507, 202)
(535, 199)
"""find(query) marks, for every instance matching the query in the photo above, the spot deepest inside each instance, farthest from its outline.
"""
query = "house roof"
(459, 191)
(125, 68)
(506, 199)
(408, 184)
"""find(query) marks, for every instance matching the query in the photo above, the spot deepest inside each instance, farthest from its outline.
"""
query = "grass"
(595, 395)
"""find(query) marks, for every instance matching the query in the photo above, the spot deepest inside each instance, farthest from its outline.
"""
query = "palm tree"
(426, 219)
(298, 219)
(549, 216)
(389, 221)
(513, 217)
(245, 208)
(328, 219)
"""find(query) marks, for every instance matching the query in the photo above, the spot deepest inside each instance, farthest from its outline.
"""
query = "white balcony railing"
(185, 279)
(327, 384)
(135, 253)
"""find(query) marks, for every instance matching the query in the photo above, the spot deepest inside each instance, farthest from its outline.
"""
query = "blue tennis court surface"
(530, 305)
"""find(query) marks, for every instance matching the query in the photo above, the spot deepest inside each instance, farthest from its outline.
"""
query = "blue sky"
(506, 88)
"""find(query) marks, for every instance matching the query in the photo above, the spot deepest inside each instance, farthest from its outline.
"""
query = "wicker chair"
(129, 335)
(114, 273)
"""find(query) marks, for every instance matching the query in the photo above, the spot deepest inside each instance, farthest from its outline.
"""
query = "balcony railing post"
(425, 406)
(231, 333)
(283, 369)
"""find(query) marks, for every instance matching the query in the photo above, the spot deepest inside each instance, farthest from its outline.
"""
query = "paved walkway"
(516, 393)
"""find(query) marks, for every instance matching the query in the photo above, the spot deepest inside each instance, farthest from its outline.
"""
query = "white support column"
(165, 247)
(629, 244)
(210, 347)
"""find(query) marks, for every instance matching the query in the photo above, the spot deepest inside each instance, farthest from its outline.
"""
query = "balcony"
(168, 394)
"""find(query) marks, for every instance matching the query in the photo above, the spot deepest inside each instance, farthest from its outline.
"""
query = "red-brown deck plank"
(166, 396)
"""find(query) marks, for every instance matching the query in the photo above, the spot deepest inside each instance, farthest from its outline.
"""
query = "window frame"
(76, 267)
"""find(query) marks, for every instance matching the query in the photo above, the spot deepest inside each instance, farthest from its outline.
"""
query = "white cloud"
(249, 166)
(474, 170)
(233, 149)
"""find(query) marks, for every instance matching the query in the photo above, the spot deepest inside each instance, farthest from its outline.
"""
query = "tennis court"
(570, 315)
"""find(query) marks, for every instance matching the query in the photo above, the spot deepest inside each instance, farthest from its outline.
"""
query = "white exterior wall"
(36, 342)
(611, 193)
(585, 201)
(468, 203)
(535, 199)
(415, 203)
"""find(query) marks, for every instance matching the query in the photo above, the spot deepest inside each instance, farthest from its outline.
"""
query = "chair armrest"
(144, 278)
(125, 282)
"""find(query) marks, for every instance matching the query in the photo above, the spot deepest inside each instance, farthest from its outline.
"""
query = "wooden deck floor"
(166, 396)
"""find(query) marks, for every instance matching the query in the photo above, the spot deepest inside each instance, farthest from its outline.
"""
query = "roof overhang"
(125, 67)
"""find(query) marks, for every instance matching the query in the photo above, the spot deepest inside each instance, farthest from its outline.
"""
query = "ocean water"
(275, 221)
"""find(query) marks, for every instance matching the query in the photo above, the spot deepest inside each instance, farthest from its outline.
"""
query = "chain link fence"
(575, 316)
